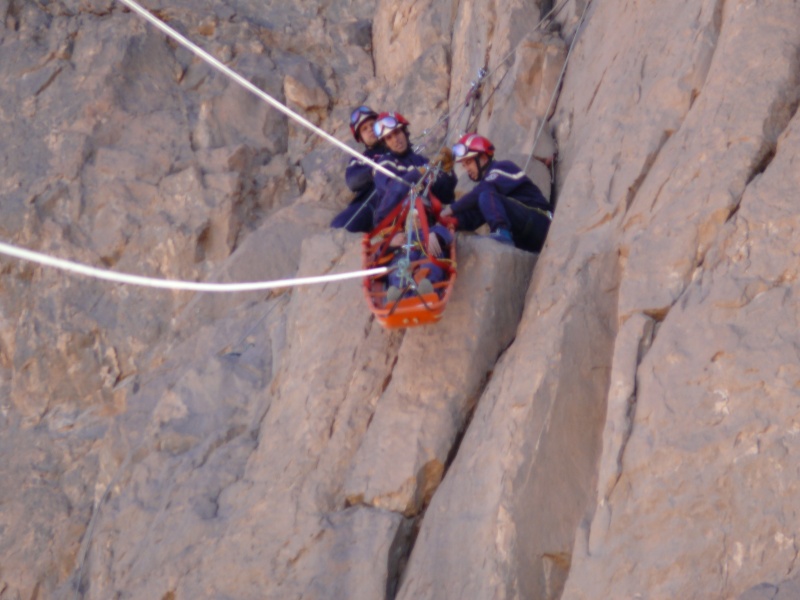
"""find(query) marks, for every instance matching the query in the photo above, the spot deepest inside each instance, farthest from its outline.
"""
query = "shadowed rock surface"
(617, 418)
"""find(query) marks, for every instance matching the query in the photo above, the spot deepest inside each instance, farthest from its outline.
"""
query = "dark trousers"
(528, 225)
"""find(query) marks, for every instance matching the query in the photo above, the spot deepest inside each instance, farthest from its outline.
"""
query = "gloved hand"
(445, 159)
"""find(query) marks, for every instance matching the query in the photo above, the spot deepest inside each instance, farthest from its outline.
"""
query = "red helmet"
(358, 117)
(471, 145)
(388, 122)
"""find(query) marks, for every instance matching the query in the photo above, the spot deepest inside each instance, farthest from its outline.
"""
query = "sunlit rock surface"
(616, 418)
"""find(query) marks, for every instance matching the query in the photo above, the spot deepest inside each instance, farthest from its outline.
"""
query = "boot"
(425, 287)
(503, 236)
(393, 294)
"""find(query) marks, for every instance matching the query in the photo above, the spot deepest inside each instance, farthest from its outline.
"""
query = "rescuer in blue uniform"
(514, 207)
(357, 216)
(400, 159)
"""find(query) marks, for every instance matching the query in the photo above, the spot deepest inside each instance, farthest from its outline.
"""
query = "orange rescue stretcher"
(413, 308)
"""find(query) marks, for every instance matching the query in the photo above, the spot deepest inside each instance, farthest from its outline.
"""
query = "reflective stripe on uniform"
(519, 175)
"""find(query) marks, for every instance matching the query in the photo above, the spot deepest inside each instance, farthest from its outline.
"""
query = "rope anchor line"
(242, 81)
(177, 285)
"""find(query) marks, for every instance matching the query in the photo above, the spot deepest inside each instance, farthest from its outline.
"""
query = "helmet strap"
(482, 167)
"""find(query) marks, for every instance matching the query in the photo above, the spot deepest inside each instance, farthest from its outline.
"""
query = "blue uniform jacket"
(358, 175)
(391, 192)
(507, 179)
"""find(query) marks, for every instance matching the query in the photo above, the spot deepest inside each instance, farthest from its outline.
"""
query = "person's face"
(397, 141)
(367, 134)
(472, 165)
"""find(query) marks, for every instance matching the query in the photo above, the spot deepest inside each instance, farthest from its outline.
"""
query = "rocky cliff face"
(615, 419)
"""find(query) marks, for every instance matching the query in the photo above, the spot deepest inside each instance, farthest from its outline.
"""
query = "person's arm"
(444, 188)
(358, 175)
(468, 201)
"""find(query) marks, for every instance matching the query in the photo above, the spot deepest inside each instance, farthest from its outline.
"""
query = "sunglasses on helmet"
(382, 126)
(460, 150)
(358, 113)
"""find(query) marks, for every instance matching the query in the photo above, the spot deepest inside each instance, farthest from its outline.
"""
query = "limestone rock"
(737, 414)
(532, 442)
(404, 30)
(303, 89)
(503, 549)
(633, 436)
(449, 363)
(783, 591)
(522, 64)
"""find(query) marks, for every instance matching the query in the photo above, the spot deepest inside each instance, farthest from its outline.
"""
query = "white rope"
(173, 284)
(225, 70)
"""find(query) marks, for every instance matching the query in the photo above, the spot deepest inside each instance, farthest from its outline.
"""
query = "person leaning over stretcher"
(392, 129)
(358, 214)
(504, 197)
